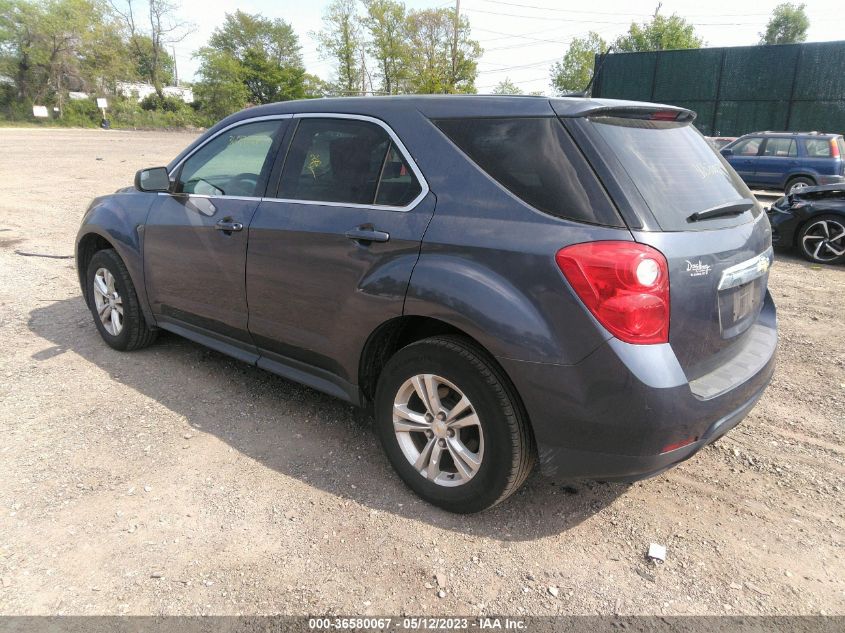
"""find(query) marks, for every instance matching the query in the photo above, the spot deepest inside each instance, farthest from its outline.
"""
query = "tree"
(150, 34)
(145, 60)
(788, 25)
(314, 87)
(340, 41)
(388, 42)
(445, 57)
(222, 89)
(266, 53)
(50, 47)
(574, 72)
(660, 34)
(506, 87)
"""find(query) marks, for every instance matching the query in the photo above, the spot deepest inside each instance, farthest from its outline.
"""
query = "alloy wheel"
(824, 240)
(798, 186)
(108, 302)
(438, 430)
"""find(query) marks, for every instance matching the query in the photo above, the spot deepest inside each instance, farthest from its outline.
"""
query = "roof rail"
(787, 132)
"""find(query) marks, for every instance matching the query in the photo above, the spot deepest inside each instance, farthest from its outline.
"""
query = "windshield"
(674, 169)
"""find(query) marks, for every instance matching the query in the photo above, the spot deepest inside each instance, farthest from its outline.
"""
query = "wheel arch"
(86, 247)
(93, 239)
(790, 177)
(398, 332)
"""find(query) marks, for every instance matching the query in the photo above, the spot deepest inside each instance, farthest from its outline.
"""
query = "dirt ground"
(177, 481)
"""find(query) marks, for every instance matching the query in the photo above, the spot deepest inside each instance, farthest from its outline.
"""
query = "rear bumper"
(620, 413)
(830, 180)
(556, 461)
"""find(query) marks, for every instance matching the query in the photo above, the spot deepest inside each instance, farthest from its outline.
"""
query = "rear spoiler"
(570, 108)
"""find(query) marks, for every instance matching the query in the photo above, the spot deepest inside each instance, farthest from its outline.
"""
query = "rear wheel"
(822, 239)
(451, 425)
(797, 184)
(114, 303)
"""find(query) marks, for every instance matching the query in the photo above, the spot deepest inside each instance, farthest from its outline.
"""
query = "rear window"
(674, 169)
(536, 160)
(783, 147)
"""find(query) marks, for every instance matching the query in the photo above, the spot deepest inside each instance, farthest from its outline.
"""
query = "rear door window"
(537, 161)
(674, 169)
(347, 161)
(784, 147)
(817, 147)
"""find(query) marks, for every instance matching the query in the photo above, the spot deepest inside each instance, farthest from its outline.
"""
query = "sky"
(522, 38)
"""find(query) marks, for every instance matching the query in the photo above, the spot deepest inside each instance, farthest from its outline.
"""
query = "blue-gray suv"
(788, 161)
(502, 280)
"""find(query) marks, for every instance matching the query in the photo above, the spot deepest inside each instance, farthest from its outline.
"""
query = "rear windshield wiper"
(730, 208)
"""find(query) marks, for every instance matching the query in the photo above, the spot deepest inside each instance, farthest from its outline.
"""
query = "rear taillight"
(834, 148)
(624, 284)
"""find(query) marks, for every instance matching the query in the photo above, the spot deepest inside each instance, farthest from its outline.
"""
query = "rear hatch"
(680, 196)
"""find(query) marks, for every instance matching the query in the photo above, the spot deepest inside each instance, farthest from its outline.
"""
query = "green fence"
(796, 87)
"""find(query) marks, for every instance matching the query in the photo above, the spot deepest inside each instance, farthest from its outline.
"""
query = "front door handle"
(367, 234)
(228, 226)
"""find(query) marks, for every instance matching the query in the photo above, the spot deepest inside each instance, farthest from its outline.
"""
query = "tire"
(821, 238)
(133, 332)
(501, 442)
(800, 182)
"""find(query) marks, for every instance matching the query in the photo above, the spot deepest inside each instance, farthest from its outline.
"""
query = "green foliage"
(506, 87)
(340, 41)
(574, 71)
(315, 87)
(788, 25)
(53, 46)
(222, 89)
(437, 65)
(158, 103)
(249, 59)
(81, 113)
(660, 34)
(142, 57)
(128, 113)
(388, 43)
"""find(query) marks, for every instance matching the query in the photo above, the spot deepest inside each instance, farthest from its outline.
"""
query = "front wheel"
(822, 239)
(114, 303)
(452, 426)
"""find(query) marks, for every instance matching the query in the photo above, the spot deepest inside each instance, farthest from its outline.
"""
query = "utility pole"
(455, 43)
(175, 69)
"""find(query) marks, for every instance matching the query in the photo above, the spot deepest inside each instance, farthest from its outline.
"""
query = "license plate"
(738, 306)
(743, 301)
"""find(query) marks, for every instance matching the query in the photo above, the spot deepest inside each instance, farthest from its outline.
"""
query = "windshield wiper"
(730, 208)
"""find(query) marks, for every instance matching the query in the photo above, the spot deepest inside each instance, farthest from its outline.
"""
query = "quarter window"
(234, 163)
(347, 161)
(783, 147)
(817, 147)
(537, 161)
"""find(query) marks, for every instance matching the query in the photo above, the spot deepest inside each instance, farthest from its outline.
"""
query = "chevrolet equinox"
(502, 280)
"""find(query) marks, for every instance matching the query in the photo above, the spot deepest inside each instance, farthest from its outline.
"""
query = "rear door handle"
(227, 226)
(364, 234)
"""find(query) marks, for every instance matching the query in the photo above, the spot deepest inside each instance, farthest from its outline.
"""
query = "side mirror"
(152, 179)
(726, 152)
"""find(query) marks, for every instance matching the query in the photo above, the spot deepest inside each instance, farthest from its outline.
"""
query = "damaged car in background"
(813, 220)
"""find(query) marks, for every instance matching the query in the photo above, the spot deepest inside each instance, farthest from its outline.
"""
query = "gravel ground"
(177, 481)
